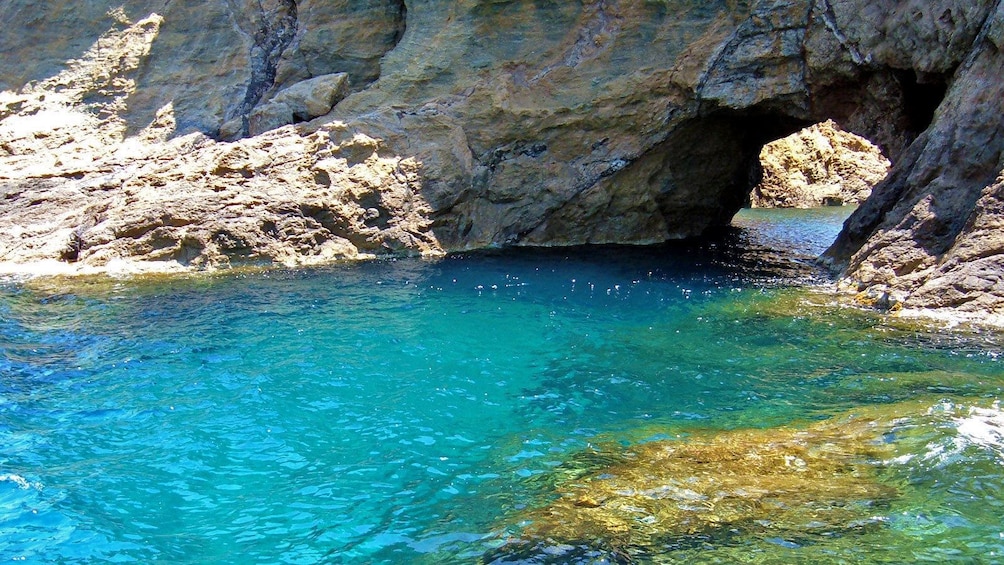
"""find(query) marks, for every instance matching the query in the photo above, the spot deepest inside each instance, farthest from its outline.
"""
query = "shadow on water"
(430, 411)
(730, 253)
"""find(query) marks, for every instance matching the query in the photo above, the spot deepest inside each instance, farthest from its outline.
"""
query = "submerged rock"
(708, 490)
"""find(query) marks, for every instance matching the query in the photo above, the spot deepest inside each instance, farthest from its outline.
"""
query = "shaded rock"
(927, 232)
(821, 165)
(341, 36)
(301, 102)
(969, 276)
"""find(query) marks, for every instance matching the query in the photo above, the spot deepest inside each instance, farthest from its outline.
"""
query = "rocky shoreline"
(289, 133)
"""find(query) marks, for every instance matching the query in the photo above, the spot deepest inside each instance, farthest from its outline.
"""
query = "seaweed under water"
(698, 402)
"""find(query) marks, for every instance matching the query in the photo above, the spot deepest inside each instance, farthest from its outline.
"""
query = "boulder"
(301, 102)
(820, 165)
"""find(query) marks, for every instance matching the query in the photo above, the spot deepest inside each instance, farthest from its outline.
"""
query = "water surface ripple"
(409, 411)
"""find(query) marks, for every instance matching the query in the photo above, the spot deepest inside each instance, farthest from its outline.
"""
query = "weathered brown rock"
(970, 275)
(926, 237)
(820, 165)
(530, 124)
(273, 199)
(301, 102)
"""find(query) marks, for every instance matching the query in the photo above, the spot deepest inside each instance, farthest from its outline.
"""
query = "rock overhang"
(557, 123)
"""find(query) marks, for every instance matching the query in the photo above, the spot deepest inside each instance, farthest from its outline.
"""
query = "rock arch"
(613, 121)
(640, 122)
(597, 121)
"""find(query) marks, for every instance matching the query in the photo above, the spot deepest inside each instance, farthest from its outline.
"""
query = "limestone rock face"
(970, 275)
(820, 165)
(508, 123)
(209, 61)
(272, 199)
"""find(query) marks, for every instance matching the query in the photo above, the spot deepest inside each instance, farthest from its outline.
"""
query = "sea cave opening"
(867, 126)
(808, 183)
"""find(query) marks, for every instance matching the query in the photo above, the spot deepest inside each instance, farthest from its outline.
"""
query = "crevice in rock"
(402, 22)
(599, 22)
(829, 17)
(723, 49)
(337, 226)
(74, 246)
(921, 97)
(277, 28)
(611, 168)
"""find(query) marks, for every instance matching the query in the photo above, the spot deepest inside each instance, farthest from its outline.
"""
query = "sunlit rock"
(550, 124)
(821, 165)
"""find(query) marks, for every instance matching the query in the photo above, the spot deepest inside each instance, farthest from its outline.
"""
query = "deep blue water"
(406, 411)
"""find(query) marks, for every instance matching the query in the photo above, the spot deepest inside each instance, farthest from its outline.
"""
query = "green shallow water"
(410, 411)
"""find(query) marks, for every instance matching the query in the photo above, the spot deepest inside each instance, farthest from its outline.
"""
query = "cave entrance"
(806, 185)
(824, 164)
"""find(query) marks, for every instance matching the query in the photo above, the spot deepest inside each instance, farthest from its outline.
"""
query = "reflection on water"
(806, 232)
(435, 411)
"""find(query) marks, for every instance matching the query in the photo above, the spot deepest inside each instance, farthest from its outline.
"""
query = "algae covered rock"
(796, 485)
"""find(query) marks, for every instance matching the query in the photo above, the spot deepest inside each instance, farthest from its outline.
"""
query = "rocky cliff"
(169, 136)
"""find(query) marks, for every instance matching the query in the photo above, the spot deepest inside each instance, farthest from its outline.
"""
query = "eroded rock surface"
(927, 237)
(806, 485)
(526, 124)
(80, 194)
(820, 165)
(272, 199)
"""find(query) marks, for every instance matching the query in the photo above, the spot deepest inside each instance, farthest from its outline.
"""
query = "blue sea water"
(407, 411)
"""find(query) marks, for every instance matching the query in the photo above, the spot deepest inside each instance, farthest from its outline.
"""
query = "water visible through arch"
(817, 174)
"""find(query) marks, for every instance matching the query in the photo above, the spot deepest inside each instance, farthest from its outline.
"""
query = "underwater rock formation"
(527, 124)
(800, 486)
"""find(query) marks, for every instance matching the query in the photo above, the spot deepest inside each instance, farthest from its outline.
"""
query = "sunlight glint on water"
(410, 410)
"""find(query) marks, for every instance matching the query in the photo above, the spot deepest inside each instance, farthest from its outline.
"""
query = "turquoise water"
(409, 411)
